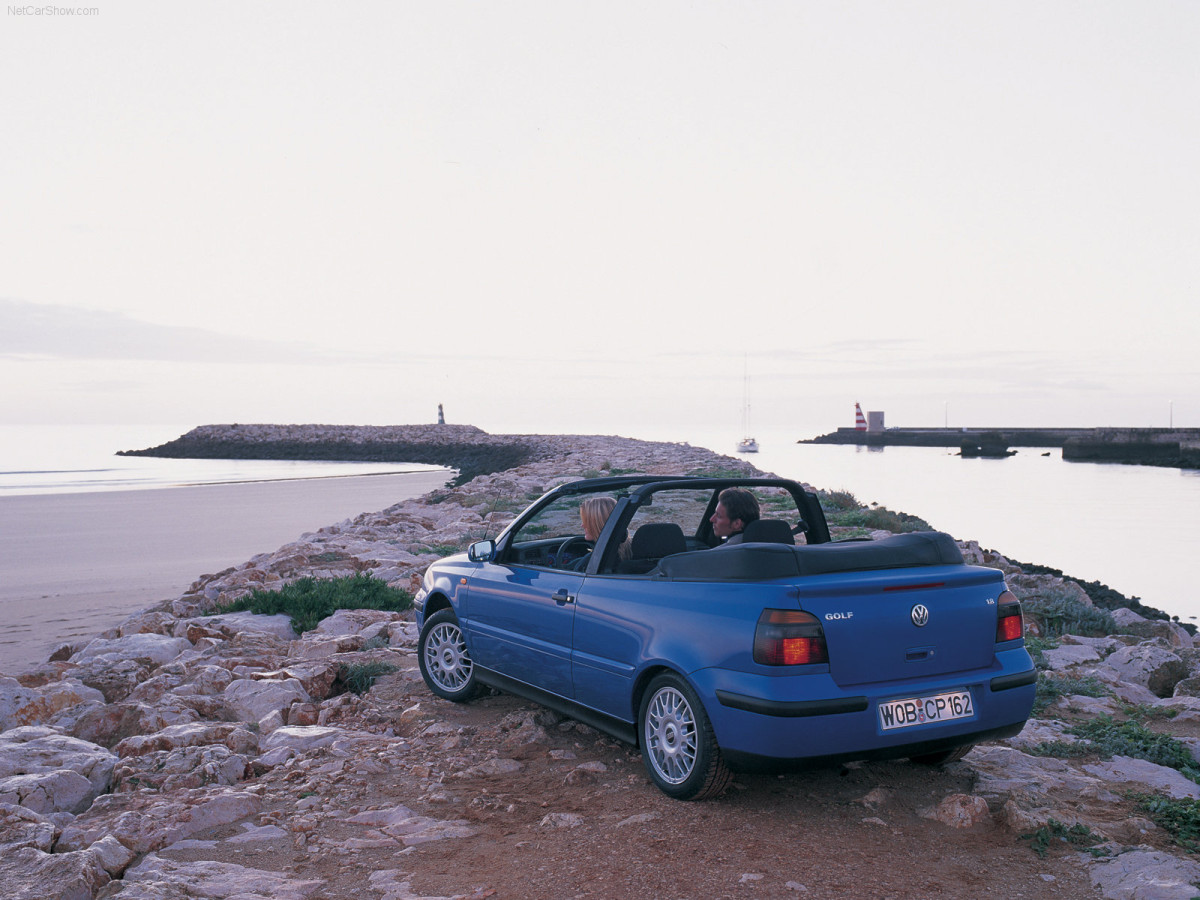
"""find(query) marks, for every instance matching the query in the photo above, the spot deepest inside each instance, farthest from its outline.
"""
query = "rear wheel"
(678, 746)
(944, 756)
(445, 661)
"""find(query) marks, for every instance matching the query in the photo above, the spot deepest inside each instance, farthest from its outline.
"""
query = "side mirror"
(482, 551)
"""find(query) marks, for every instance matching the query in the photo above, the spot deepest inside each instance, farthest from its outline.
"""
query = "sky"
(601, 217)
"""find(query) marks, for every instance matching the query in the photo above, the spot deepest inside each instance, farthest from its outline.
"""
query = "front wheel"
(678, 746)
(445, 661)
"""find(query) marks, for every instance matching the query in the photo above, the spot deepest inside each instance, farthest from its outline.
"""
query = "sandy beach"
(75, 564)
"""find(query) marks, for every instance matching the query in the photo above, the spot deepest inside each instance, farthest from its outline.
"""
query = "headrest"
(657, 539)
(768, 531)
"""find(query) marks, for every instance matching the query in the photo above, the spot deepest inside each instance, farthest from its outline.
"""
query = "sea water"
(1134, 528)
(61, 459)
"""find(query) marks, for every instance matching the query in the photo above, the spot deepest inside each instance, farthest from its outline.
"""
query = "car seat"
(652, 542)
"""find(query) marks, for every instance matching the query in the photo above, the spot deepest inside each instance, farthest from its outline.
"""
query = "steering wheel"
(560, 553)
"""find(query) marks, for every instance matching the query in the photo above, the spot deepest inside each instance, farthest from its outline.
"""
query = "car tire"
(943, 757)
(679, 748)
(445, 661)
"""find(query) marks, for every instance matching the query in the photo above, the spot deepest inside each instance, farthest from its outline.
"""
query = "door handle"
(562, 598)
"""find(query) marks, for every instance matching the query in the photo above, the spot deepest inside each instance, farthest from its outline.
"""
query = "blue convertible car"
(777, 646)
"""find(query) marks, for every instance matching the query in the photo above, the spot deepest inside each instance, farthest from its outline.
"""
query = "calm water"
(60, 459)
(1134, 528)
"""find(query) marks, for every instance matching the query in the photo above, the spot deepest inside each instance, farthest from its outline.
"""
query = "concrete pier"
(1137, 446)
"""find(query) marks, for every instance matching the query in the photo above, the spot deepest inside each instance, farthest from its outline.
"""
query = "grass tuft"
(309, 600)
(1055, 832)
(359, 678)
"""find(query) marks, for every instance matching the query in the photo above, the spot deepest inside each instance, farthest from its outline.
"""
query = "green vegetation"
(1180, 818)
(309, 600)
(1060, 614)
(441, 549)
(842, 510)
(1108, 738)
(359, 678)
(837, 500)
(1056, 832)
(1051, 688)
(1037, 646)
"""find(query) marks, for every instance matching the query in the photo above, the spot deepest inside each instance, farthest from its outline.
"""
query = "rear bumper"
(808, 717)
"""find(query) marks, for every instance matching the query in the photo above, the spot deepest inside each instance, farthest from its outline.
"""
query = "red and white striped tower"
(860, 421)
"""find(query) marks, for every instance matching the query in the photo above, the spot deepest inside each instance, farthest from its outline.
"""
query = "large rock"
(1141, 774)
(251, 699)
(32, 706)
(1129, 622)
(155, 878)
(39, 750)
(21, 827)
(1146, 875)
(1147, 664)
(146, 822)
(48, 792)
(108, 725)
(31, 874)
(155, 649)
(1003, 771)
(302, 737)
(187, 767)
(353, 621)
(316, 676)
(176, 737)
(228, 624)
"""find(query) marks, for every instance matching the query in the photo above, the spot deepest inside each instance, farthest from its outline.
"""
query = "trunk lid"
(894, 625)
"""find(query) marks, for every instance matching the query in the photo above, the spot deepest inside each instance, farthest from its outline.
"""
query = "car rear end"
(909, 661)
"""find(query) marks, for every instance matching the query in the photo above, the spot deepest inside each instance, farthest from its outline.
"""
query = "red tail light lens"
(789, 637)
(1009, 624)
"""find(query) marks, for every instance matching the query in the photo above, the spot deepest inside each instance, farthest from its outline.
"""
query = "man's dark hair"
(739, 503)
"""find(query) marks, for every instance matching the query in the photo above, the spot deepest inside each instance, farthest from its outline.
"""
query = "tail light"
(1009, 624)
(789, 637)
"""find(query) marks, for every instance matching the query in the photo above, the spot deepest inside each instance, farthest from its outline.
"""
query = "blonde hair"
(594, 511)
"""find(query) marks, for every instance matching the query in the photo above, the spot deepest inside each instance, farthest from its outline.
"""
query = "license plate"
(923, 710)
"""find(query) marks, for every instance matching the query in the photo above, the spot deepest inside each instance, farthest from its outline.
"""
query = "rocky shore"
(188, 755)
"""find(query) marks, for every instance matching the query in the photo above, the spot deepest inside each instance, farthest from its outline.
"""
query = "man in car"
(736, 508)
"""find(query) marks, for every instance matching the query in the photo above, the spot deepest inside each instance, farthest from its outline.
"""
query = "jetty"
(1135, 446)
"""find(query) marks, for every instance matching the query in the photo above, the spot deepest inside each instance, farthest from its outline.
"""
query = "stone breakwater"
(463, 447)
(180, 754)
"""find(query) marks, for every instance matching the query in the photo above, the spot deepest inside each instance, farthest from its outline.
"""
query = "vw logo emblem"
(920, 615)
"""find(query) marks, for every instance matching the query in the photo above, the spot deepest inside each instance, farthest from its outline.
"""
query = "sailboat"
(746, 444)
